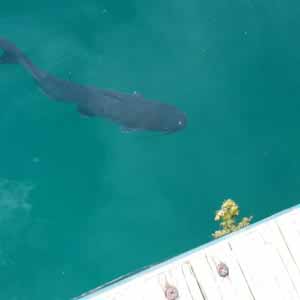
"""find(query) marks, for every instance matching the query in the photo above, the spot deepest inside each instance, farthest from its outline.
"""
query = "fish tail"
(10, 53)
(8, 58)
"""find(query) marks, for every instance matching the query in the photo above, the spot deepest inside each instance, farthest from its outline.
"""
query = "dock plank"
(262, 260)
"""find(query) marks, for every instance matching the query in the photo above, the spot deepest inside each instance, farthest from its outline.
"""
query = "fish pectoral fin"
(85, 111)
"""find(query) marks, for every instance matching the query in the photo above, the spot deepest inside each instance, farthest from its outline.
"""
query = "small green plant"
(227, 218)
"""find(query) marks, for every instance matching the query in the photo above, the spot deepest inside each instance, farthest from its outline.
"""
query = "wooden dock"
(259, 262)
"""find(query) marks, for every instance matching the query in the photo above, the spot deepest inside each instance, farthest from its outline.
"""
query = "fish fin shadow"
(125, 129)
(85, 111)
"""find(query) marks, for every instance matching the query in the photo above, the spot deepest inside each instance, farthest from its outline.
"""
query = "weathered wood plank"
(272, 234)
(234, 286)
(289, 225)
(263, 268)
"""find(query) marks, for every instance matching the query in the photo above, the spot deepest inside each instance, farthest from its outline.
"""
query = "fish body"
(131, 111)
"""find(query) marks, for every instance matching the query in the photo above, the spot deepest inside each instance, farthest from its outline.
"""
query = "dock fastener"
(222, 269)
(171, 292)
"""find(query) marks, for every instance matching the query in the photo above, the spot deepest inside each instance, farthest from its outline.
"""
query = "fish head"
(172, 120)
(178, 123)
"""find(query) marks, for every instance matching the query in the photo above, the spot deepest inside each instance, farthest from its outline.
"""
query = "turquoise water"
(82, 203)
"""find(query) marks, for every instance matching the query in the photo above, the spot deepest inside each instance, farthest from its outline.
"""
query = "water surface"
(82, 203)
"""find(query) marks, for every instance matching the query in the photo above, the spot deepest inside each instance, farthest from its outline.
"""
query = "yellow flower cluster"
(226, 215)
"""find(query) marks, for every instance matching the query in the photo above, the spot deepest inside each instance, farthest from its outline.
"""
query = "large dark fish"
(131, 111)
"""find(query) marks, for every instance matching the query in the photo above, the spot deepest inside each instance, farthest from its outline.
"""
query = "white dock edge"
(259, 262)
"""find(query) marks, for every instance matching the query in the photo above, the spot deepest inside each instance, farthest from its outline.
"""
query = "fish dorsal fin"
(138, 95)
